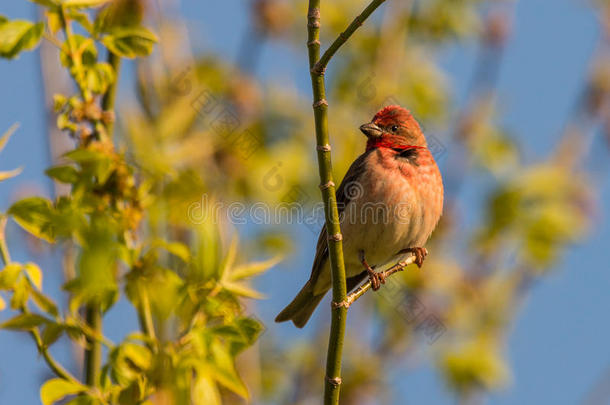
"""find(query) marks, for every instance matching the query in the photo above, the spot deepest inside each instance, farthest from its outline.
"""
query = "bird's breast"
(395, 204)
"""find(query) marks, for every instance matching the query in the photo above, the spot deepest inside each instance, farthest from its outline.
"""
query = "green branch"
(42, 349)
(335, 247)
(320, 66)
(93, 310)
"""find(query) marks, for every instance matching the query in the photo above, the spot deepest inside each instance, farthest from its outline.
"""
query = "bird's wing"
(351, 178)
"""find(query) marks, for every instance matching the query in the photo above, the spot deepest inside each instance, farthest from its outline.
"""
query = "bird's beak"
(371, 130)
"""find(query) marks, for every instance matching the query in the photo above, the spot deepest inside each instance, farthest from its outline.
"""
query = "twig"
(335, 246)
(93, 311)
(352, 297)
(317, 66)
(320, 66)
(53, 365)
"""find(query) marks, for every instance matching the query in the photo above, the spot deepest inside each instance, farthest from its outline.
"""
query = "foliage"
(186, 283)
(136, 217)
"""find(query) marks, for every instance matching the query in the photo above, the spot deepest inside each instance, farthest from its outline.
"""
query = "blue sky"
(558, 347)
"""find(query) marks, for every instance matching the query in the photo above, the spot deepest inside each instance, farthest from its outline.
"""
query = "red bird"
(389, 203)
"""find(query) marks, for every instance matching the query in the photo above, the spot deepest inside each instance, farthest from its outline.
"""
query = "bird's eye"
(394, 128)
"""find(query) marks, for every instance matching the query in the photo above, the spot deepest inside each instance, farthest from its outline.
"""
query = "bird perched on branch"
(389, 203)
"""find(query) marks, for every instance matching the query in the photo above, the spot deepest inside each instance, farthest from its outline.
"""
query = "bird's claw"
(376, 278)
(419, 252)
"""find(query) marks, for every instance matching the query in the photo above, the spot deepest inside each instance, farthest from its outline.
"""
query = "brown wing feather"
(343, 198)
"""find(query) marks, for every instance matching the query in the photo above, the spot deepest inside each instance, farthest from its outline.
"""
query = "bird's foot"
(419, 252)
(376, 278)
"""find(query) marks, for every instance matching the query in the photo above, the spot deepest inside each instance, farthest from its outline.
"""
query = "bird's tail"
(302, 306)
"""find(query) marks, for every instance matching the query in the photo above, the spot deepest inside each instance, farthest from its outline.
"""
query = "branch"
(400, 266)
(335, 246)
(44, 350)
(320, 66)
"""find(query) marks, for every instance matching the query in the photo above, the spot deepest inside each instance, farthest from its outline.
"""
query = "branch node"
(314, 18)
(314, 42)
(335, 305)
(336, 237)
(335, 381)
(318, 69)
(320, 103)
(327, 185)
(323, 148)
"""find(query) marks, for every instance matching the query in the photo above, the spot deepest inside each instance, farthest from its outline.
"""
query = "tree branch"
(335, 246)
(352, 297)
(320, 67)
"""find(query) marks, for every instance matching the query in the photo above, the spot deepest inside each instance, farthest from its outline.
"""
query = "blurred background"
(510, 306)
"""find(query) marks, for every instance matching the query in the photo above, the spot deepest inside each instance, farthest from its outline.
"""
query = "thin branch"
(53, 365)
(352, 297)
(320, 66)
(335, 247)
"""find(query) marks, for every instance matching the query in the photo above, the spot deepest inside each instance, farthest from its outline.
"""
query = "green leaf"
(21, 292)
(99, 77)
(51, 333)
(224, 370)
(9, 275)
(253, 269)
(54, 390)
(242, 290)
(130, 42)
(34, 273)
(18, 35)
(25, 322)
(89, 51)
(34, 215)
(7, 135)
(178, 249)
(64, 174)
(44, 303)
(205, 391)
(10, 174)
(85, 3)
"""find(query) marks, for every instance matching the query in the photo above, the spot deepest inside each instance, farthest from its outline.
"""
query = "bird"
(389, 203)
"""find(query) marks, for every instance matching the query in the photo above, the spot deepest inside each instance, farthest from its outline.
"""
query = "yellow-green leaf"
(85, 3)
(6, 136)
(34, 273)
(253, 269)
(25, 322)
(130, 42)
(9, 275)
(64, 174)
(242, 290)
(34, 215)
(56, 389)
(18, 35)
(10, 174)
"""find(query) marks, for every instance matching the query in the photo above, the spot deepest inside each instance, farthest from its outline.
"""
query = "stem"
(93, 353)
(53, 365)
(335, 247)
(317, 68)
(110, 96)
(93, 311)
(320, 66)
(349, 300)
(75, 55)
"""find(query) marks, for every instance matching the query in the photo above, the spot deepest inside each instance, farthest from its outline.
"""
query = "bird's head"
(393, 127)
